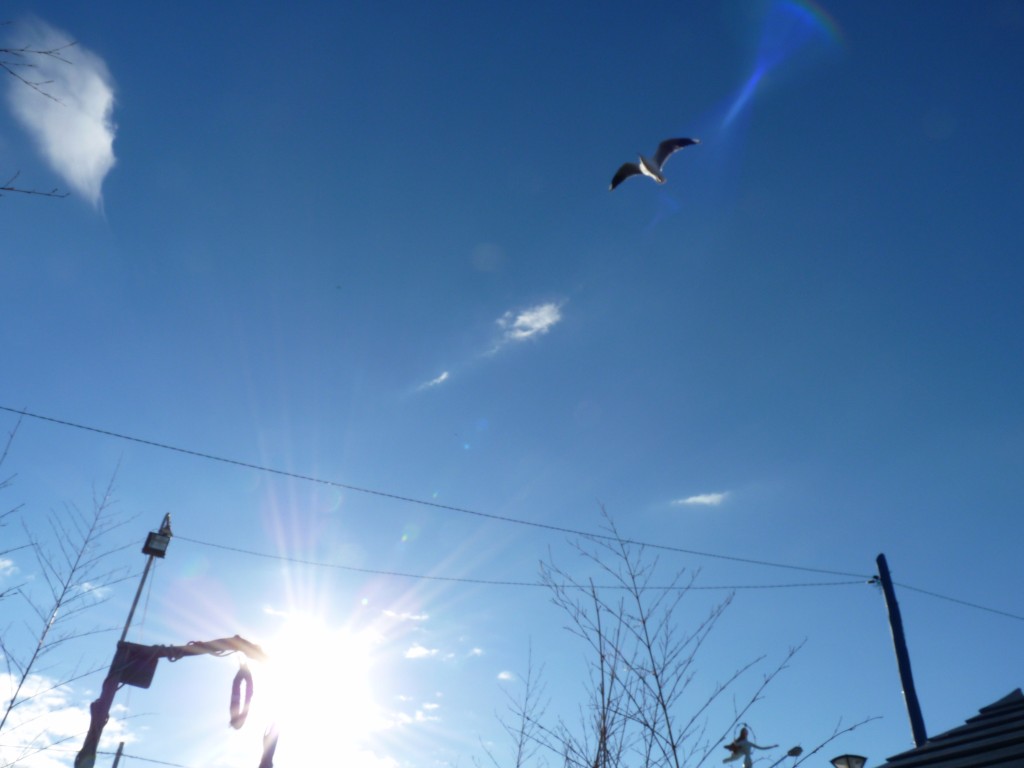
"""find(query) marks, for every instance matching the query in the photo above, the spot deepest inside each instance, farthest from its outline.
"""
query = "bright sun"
(317, 689)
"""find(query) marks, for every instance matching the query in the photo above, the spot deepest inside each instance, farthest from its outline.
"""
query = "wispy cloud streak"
(434, 382)
(517, 326)
(702, 500)
(69, 111)
(535, 321)
(406, 616)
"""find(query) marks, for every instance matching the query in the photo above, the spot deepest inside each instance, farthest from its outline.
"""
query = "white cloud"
(418, 651)
(46, 715)
(476, 652)
(516, 326)
(529, 323)
(70, 120)
(98, 592)
(434, 382)
(702, 500)
(401, 718)
(7, 567)
(406, 616)
(506, 676)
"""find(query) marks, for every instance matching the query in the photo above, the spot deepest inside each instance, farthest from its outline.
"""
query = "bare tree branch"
(21, 63)
(643, 661)
(643, 658)
(6, 482)
(8, 186)
(836, 733)
(74, 580)
(522, 727)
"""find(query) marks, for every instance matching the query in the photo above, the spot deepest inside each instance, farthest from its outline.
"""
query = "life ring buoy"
(238, 711)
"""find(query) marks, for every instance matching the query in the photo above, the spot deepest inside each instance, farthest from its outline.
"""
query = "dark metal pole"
(899, 642)
(99, 710)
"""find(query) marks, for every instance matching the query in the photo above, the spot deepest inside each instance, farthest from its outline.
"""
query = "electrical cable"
(960, 602)
(432, 504)
(146, 759)
(490, 516)
(98, 752)
(491, 582)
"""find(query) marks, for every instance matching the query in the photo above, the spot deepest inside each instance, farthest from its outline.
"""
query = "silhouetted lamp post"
(99, 710)
(155, 546)
(849, 761)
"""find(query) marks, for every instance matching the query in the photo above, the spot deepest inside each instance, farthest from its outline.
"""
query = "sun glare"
(319, 688)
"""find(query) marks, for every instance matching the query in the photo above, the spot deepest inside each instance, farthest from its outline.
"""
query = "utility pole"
(99, 710)
(899, 642)
(135, 664)
(155, 546)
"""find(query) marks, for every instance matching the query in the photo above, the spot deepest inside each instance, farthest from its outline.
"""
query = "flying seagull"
(648, 167)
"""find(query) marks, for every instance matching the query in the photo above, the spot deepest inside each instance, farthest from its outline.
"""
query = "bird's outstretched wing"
(624, 172)
(668, 146)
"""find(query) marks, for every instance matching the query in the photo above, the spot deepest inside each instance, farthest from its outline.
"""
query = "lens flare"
(744, 95)
(789, 36)
(791, 31)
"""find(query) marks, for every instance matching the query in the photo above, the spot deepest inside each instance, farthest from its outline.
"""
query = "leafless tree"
(8, 186)
(643, 708)
(21, 63)
(7, 514)
(523, 721)
(70, 577)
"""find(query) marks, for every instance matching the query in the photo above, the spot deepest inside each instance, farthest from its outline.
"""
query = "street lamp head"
(849, 761)
(156, 544)
(158, 541)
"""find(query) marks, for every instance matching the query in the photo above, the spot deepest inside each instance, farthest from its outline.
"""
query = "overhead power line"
(431, 504)
(486, 515)
(509, 583)
(146, 759)
(960, 602)
(487, 582)
(38, 748)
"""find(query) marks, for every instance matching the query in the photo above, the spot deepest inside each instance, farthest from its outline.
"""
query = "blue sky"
(374, 244)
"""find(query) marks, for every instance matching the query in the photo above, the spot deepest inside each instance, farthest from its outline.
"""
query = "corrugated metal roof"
(994, 738)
